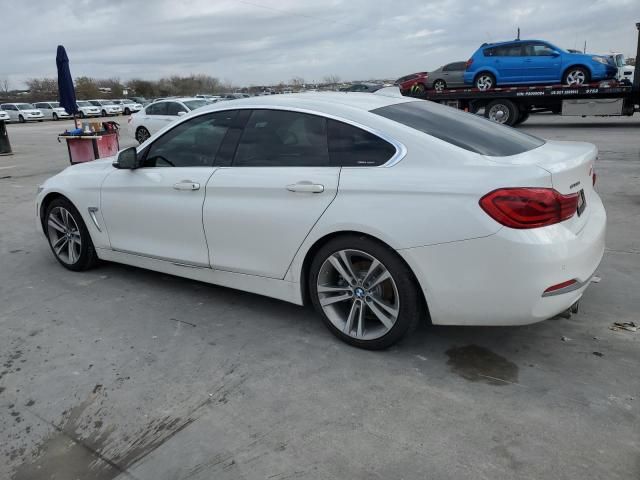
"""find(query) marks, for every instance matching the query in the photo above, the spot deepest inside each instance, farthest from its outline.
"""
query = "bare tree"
(331, 79)
(4, 85)
(297, 82)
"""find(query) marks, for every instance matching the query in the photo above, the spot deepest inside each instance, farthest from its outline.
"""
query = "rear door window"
(157, 109)
(464, 130)
(350, 146)
(173, 108)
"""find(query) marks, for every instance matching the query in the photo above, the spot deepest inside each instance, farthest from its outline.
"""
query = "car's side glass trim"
(401, 150)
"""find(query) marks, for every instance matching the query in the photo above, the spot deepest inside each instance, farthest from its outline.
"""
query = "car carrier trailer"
(513, 105)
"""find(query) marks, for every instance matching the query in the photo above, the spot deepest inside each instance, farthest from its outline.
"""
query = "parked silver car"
(22, 112)
(450, 75)
(52, 110)
(128, 106)
(87, 109)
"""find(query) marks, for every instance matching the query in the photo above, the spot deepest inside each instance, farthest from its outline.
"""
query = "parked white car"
(4, 116)
(22, 112)
(107, 107)
(87, 109)
(159, 114)
(378, 210)
(52, 110)
(128, 106)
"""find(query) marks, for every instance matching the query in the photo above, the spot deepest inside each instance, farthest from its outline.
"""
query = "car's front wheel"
(21, 119)
(82, 115)
(55, 117)
(576, 76)
(142, 134)
(439, 85)
(364, 292)
(485, 81)
(68, 236)
(104, 113)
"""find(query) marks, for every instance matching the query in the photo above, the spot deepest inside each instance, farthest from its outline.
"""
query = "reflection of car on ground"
(22, 112)
(450, 75)
(625, 72)
(52, 110)
(161, 113)
(533, 62)
(87, 109)
(107, 107)
(128, 106)
(415, 83)
(251, 194)
(361, 87)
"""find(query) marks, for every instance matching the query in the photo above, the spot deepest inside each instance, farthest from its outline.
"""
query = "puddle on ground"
(82, 447)
(479, 364)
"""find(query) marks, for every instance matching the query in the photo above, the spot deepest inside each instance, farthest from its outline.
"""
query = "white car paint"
(4, 116)
(154, 122)
(26, 111)
(87, 109)
(128, 106)
(50, 108)
(244, 229)
(107, 108)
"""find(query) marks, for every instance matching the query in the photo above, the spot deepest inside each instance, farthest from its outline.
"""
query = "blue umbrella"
(66, 92)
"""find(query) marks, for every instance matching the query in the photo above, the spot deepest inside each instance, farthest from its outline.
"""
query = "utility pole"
(584, 50)
(518, 34)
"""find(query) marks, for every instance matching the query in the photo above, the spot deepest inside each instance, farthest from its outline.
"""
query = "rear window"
(464, 130)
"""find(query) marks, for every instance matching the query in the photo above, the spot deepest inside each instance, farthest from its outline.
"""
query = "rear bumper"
(500, 279)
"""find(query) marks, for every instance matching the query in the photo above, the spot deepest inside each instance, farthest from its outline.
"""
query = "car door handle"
(305, 187)
(186, 185)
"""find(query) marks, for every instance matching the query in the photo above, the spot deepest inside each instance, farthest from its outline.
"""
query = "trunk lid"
(570, 165)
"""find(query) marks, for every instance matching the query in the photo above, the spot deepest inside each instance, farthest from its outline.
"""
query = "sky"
(261, 42)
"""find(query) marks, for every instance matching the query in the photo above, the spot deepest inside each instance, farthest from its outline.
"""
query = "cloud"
(265, 41)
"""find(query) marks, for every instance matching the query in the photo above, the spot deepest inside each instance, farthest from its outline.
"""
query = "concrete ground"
(129, 374)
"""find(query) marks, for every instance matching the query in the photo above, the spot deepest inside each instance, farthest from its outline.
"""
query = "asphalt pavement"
(122, 373)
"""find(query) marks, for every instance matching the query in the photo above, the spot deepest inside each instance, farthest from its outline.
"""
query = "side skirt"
(269, 287)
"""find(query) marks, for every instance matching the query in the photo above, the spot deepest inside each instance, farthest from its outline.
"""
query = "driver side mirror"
(182, 113)
(128, 159)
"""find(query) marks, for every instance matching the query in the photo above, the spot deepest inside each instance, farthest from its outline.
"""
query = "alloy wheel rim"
(358, 294)
(439, 86)
(484, 82)
(142, 135)
(576, 77)
(64, 235)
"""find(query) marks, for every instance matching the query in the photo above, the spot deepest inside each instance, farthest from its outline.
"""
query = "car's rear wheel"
(485, 81)
(439, 85)
(504, 112)
(68, 236)
(576, 76)
(127, 111)
(142, 134)
(364, 292)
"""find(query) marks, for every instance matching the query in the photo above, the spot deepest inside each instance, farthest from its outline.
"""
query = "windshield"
(193, 104)
(25, 106)
(84, 104)
(461, 129)
(54, 104)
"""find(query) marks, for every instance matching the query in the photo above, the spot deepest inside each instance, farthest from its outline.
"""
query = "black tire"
(55, 116)
(82, 115)
(484, 81)
(418, 89)
(504, 112)
(104, 113)
(576, 73)
(439, 85)
(127, 111)
(86, 255)
(522, 117)
(142, 134)
(409, 300)
(21, 119)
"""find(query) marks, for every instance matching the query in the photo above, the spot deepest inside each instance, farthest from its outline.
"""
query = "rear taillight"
(559, 286)
(468, 64)
(529, 207)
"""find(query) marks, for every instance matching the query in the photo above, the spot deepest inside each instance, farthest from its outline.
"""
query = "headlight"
(601, 60)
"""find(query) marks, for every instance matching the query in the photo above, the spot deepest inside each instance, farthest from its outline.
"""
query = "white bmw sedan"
(378, 210)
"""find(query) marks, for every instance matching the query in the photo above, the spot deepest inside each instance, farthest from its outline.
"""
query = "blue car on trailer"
(522, 62)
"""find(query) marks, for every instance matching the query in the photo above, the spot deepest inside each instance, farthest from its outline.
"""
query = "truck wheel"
(504, 112)
(485, 81)
(522, 117)
(576, 76)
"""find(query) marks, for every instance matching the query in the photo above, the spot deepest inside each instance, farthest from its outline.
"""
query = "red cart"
(84, 148)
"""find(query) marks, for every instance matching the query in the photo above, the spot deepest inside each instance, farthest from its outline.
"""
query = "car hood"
(36, 112)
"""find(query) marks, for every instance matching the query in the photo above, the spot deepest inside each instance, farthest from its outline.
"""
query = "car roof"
(177, 99)
(320, 101)
(511, 42)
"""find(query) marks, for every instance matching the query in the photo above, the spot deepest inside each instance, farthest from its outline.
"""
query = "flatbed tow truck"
(513, 105)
